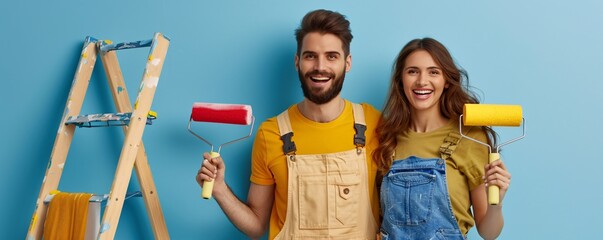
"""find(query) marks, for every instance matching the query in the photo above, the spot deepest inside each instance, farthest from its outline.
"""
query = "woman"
(432, 178)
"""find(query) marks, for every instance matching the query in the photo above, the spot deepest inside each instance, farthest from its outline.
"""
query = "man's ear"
(348, 63)
(296, 60)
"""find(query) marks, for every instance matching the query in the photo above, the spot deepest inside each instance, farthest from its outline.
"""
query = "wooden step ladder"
(133, 120)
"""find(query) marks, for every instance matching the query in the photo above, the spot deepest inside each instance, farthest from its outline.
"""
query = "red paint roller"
(220, 113)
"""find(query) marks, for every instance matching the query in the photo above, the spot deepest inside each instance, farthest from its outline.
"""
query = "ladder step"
(106, 119)
(99, 198)
(107, 45)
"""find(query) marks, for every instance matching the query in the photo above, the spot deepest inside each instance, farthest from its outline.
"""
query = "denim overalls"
(414, 198)
(327, 193)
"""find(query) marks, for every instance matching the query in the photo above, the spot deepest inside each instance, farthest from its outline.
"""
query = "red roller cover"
(222, 113)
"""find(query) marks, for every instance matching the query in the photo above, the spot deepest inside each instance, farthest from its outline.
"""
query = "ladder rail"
(64, 135)
(143, 170)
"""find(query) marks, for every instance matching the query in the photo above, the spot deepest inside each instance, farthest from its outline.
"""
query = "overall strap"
(449, 144)
(359, 126)
(284, 127)
(286, 132)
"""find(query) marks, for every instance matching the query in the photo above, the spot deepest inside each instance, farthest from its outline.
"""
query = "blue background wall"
(544, 55)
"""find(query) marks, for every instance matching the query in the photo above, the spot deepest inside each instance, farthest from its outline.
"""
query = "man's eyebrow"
(328, 52)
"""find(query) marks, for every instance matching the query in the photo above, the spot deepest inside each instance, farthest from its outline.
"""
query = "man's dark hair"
(325, 21)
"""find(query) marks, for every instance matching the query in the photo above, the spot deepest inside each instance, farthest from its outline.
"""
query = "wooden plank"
(64, 136)
(143, 170)
(133, 150)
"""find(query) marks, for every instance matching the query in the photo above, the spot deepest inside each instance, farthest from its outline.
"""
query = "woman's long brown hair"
(395, 118)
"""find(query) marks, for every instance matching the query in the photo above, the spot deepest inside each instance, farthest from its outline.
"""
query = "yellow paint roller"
(492, 115)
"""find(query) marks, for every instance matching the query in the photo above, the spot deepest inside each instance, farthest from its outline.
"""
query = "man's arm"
(251, 218)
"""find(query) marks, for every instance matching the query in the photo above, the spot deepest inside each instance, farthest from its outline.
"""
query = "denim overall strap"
(449, 144)
(327, 194)
(415, 201)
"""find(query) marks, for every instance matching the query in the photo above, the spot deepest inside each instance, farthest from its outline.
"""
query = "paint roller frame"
(206, 193)
(223, 144)
(493, 191)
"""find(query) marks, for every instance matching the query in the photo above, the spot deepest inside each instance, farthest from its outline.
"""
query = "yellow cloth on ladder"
(66, 216)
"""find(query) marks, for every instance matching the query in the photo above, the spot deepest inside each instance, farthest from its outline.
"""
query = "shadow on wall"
(44, 132)
(280, 87)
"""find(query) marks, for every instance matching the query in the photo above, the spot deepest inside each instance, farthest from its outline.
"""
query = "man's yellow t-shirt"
(269, 164)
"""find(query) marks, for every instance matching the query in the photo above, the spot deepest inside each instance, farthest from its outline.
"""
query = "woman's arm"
(489, 218)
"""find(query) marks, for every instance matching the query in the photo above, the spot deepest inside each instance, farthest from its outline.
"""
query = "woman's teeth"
(422, 92)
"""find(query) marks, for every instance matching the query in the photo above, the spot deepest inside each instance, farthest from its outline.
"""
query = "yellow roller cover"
(492, 115)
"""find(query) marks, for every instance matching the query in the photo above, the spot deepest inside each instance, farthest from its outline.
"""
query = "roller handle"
(208, 186)
(493, 190)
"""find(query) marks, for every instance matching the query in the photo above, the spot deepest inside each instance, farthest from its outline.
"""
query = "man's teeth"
(320, 78)
(422, 92)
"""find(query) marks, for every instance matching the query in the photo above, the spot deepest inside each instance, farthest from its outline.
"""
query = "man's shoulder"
(369, 109)
(270, 123)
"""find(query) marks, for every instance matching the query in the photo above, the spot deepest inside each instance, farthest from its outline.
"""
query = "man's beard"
(329, 94)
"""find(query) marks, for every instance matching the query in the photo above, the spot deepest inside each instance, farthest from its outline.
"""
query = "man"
(312, 171)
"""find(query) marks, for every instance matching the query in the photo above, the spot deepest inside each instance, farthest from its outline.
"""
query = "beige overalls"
(328, 193)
